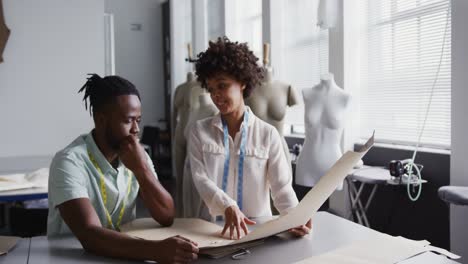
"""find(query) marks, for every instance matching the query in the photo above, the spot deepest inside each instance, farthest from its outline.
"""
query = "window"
(188, 31)
(215, 19)
(304, 51)
(246, 24)
(250, 25)
(402, 47)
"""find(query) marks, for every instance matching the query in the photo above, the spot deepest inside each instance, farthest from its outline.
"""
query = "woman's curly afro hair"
(231, 58)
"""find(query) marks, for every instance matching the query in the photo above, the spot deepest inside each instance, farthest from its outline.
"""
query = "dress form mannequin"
(205, 108)
(325, 108)
(4, 32)
(270, 100)
(185, 101)
(192, 203)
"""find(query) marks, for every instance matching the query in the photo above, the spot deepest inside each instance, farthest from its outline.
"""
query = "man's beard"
(112, 140)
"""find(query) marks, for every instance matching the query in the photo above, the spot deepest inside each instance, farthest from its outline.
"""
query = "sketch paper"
(382, 249)
(207, 234)
(38, 179)
(7, 243)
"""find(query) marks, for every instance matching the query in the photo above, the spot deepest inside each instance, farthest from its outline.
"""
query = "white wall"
(52, 46)
(459, 156)
(138, 54)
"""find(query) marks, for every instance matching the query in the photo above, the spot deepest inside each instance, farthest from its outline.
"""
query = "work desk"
(24, 195)
(19, 254)
(329, 232)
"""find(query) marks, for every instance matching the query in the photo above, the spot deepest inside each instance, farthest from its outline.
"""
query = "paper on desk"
(207, 234)
(38, 178)
(7, 243)
(382, 249)
(310, 204)
(8, 183)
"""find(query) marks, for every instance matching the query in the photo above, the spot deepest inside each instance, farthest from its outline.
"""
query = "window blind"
(304, 51)
(249, 24)
(402, 47)
(188, 32)
(215, 18)
(244, 23)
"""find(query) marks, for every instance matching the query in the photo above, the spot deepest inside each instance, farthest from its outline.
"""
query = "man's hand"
(156, 199)
(302, 230)
(132, 154)
(235, 219)
(176, 249)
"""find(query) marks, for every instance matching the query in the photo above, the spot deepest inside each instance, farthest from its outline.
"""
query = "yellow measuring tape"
(104, 193)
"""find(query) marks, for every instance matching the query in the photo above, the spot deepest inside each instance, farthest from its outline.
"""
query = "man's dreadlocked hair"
(232, 58)
(100, 91)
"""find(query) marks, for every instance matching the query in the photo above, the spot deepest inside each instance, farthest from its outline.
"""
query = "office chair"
(149, 140)
(158, 149)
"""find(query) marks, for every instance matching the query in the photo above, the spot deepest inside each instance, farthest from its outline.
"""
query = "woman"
(236, 159)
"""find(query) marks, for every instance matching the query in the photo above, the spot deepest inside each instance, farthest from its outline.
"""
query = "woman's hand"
(235, 219)
(302, 230)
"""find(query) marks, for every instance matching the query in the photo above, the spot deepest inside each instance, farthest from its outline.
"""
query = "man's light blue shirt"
(73, 175)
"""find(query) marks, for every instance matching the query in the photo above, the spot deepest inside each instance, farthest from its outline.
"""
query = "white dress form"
(193, 206)
(325, 107)
(269, 102)
(185, 101)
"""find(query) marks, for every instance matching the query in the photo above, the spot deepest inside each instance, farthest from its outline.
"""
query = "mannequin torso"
(270, 100)
(192, 203)
(205, 108)
(325, 107)
(185, 98)
(185, 101)
(4, 33)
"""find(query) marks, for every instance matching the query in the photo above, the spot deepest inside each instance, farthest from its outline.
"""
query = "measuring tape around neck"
(103, 189)
(241, 158)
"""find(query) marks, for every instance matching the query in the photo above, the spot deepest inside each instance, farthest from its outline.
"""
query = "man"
(95, 180)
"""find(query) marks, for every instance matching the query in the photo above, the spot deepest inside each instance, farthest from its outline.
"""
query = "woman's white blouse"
(265, 168)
